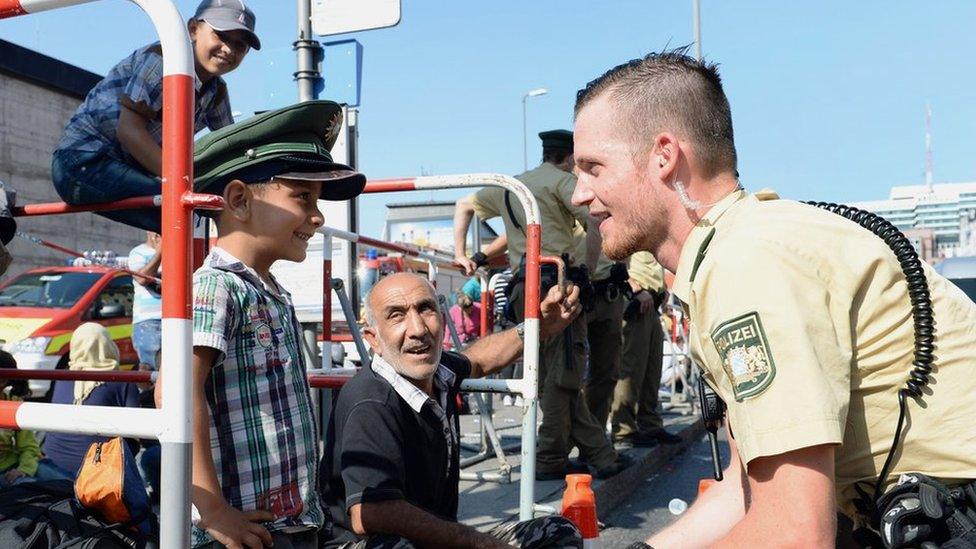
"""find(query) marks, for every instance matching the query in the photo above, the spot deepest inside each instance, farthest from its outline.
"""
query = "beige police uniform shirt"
(646, 271)
(802, 323)
(553, 191)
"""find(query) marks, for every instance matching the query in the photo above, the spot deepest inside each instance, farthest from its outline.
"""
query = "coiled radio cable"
(923, 320)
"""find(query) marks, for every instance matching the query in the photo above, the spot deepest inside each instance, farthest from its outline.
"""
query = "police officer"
(604, 320)
(800, 319)
(635, 419)
(566, 422)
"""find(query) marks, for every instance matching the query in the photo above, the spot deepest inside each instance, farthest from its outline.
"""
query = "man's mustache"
(427, 342)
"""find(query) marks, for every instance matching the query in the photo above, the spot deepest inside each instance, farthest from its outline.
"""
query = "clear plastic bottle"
(677, 506)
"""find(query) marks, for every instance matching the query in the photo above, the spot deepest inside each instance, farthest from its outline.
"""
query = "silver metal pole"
(696, 16)
(350, 315)
(307, 73)
(476, 235)
(310, 334)
(530, 416)
(525, 138)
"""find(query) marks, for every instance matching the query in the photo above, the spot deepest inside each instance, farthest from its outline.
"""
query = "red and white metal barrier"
(171, 424)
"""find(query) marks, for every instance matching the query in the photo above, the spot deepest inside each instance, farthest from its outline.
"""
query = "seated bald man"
(390, 468)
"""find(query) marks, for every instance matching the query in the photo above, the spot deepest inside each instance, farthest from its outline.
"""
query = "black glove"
(916, 510)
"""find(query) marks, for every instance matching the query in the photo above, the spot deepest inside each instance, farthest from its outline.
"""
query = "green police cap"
(291, 143)
(557, 139)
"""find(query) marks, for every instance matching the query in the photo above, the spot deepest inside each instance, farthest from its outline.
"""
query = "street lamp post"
(696, 23)
(525, 130)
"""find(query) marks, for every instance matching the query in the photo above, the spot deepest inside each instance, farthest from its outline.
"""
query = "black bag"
(46, 515)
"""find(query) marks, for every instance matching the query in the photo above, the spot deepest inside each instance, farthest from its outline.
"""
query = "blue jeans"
(83, 177)
(146, 338)
(46, 470)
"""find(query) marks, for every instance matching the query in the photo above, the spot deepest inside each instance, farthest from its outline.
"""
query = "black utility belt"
(549, 275)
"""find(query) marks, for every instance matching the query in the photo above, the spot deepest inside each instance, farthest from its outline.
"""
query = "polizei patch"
(742, 346)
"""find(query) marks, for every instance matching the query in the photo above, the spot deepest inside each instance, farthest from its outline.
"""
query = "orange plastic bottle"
(579, 506)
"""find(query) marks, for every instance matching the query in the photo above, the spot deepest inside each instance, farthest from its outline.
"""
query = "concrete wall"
(32, 119)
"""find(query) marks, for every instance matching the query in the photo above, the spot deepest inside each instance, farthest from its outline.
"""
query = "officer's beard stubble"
(641, 229)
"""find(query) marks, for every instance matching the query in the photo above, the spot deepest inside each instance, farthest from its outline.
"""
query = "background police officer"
(800, 319)
(604, 320)
(634, 416)
(566, 421)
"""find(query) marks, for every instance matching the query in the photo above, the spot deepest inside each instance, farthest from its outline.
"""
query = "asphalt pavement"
(645, 511)
(484, 505)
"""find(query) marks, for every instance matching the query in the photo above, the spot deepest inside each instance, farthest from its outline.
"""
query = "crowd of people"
(800, 322)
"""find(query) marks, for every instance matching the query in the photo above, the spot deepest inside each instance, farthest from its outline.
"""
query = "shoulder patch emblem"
(742, 346)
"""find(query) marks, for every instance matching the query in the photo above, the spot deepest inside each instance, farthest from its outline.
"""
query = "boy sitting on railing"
(110, 149)
(255, 448)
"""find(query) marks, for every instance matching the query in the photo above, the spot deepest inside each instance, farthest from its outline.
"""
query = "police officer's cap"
(557, 139)
(289, 143)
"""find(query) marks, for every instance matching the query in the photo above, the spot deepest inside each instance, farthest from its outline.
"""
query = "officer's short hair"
(670, 91)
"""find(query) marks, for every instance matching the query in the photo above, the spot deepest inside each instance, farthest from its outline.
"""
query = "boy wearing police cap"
(254, 446)
(801, 320)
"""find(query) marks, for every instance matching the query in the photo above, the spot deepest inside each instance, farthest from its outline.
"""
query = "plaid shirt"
(262, 426)
(138, 81)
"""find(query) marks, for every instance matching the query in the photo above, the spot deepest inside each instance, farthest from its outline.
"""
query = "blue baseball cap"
(229, 15)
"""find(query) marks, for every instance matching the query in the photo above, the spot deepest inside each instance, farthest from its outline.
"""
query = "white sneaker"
(518, 401)
(507, 400)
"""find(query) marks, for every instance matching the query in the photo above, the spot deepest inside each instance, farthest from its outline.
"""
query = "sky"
(828, 98)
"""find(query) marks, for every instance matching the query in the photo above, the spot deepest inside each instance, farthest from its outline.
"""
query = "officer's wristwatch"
(520, 330)
(480, 259)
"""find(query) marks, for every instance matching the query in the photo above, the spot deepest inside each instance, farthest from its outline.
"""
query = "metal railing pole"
(351, 317)
(326, 300)
(176, 437)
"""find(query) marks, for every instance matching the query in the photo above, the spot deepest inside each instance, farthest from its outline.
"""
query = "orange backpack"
(109, 483)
